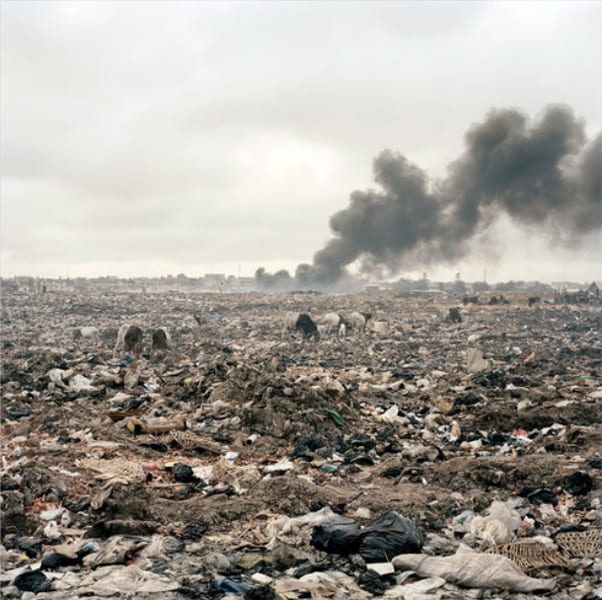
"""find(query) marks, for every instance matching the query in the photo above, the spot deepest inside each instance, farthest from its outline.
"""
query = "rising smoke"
(542, 175)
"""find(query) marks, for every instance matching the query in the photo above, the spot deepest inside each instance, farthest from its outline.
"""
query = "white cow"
(290, 322)
(334, 322)
(358, 321)
(129, 338)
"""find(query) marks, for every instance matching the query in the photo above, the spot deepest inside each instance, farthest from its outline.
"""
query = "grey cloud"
(132, 115)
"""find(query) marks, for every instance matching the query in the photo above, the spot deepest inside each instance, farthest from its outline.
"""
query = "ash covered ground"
(209, 470)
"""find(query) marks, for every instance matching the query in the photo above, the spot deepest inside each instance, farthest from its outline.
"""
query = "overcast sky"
(149, 138)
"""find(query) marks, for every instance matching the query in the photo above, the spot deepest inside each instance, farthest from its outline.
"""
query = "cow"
(470, 300)
(335, 322)
(161, 340)
(454, 315)
(306, 324)
(301, 322)
(533, 300)
(290, 321)
(129, 338)
(358, 321)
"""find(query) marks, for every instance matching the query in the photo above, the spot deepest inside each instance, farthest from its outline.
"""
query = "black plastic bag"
(380, 540)
(339, 536)
(33, 581)
(55, 560)
(388, 535)
(578, 484)
(537, 495)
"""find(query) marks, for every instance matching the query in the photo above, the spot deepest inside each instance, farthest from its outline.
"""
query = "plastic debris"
(33, 581)
(578, 483)
(474, 569)
(380, 540)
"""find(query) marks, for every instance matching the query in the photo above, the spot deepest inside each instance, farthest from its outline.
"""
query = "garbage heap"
(428, 457)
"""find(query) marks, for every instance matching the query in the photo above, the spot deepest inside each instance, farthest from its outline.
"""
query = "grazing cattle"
(454, 315)
(307, 326)
(161, 339)
(290, 321)
(534, 300)
(334, 322)
(470, 300)
(133, 340)
(358, 321)
(495, 300)
(129, 338)
(331, 322)
(119, 344)
(301, 322)
(589, 296)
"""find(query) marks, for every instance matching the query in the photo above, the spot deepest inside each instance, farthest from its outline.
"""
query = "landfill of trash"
(439, 454)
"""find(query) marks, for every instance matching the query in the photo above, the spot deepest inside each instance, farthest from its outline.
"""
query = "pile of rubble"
(428, 457)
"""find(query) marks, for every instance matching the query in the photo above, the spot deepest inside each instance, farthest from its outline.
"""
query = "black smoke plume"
(544, 175)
